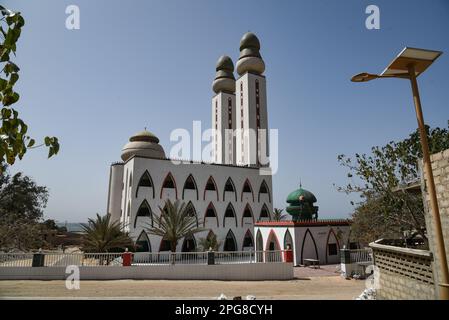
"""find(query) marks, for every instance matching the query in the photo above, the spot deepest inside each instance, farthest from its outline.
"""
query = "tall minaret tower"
(223, 112)
(251, 94)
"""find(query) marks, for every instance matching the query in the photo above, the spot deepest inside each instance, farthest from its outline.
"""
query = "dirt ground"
(322, 284)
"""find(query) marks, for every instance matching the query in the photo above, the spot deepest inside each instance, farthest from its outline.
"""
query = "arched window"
(229, 187)
(230, 213)
(210, 213)
(189, 244)
(191, 211)
(144, 211)
(247, 213)
(248, 241)
(165, 245)
(230, 244)
(190, 184)
(145, 181)
(247, 188)
(143, 243)
(169, 183)
(264, 213)
(288, 240)
(264, 190)
(210, 186)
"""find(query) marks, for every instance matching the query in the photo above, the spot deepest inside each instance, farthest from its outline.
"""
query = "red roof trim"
(330, 222)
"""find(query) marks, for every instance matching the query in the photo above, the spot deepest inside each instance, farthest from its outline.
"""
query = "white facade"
(250, 201)
(223, 124)
(320, 240)
(251, 117)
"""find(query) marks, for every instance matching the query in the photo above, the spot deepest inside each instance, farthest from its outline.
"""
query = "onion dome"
(250, 59)
(224, 77)
(301, 205)
(144, 144)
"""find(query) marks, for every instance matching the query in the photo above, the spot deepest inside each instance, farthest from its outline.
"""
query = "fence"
(140, 258)
(355, 262)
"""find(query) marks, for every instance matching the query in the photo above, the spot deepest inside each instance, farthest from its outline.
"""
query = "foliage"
(387, 209)
(102, 235)
(278, 215)
(21, 210)
(14, 140)
(174, 223)
(210, 242)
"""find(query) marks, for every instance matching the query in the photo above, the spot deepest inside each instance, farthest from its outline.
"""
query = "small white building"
(228, 196)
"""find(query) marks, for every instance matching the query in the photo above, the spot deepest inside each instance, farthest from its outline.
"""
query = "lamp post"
(409, 64)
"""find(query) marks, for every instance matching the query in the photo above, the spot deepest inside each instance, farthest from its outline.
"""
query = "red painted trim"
(307, 223)
(270, 236)
(216, 189)
(211, 205)
(327, 242)
(169, 175)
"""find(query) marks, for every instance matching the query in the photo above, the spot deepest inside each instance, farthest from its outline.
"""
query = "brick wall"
(440, 169)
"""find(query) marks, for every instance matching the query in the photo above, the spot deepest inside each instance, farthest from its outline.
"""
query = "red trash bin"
(288, 256)
(127, 258)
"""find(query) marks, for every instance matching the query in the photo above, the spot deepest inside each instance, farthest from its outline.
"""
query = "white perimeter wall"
(244, 271)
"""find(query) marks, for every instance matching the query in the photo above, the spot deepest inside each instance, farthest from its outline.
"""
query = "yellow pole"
(439, 240)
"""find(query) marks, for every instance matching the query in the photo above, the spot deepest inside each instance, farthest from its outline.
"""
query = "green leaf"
(31, 143)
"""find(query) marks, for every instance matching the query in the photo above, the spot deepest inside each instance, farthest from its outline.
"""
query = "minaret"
(223, 112)
(251, 94)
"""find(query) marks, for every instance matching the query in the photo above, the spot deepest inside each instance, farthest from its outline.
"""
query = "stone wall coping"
(415, 252)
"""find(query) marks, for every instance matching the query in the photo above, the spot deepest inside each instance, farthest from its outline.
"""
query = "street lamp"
(409, 64)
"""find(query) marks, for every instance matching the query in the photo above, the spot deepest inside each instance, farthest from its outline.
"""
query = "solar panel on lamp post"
(409, 64)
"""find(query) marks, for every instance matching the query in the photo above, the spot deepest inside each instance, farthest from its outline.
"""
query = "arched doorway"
(259, 246)
(143, 243)
(189, 244)
(230, 244)
(273, 248)
(309, 249)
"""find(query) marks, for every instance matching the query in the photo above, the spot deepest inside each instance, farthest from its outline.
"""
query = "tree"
(174, 223)
(278, 215)
(102, 235)
(21, 210)
(387, 209)
(14, 140)
(210, 242)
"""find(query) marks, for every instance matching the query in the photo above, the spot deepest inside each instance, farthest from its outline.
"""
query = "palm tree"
(102, 235)
(277, 214)
(174, 223)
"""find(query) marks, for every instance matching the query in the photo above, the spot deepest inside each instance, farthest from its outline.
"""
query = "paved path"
(327, 287)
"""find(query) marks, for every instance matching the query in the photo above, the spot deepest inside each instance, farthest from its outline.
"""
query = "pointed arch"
(259, 246)
(263, 189)
(210, 213)
(229, 187)
(337, 249)
(164, 245)
(189, 243)
(247, 213)
(264, 213)
(230, 213)
(143, 243)
(314, 245)
(145, 181)
(191, 211)
(144, 211)
(169, 183)
(272, 242)
(211, 185)
(247, 188)
(190, 184)
(230, 243)
(288, 240)
(248, 241)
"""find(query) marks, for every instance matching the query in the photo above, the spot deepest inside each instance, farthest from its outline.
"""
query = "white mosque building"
(228, 196)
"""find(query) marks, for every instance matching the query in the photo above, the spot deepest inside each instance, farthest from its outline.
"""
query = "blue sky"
(136, 64)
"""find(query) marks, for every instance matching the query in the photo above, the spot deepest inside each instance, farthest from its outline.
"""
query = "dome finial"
(250, 59)
(224, 78)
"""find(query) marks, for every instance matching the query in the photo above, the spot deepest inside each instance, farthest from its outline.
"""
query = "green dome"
(293, 197)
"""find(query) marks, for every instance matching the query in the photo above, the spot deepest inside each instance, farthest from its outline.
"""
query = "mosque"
(230, 198)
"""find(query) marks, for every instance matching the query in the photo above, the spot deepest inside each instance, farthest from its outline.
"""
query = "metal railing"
(361, 255)
(138, 258)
